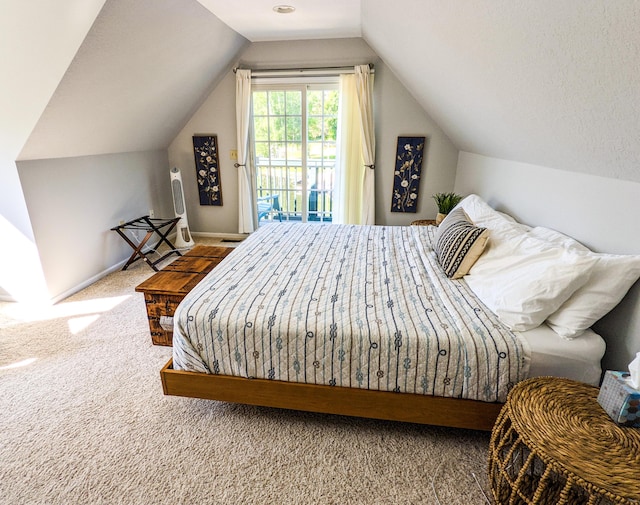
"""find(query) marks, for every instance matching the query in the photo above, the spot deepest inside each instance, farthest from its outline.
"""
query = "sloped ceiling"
(539, 81)
(38, 40)
(550, 83)
(140, 73)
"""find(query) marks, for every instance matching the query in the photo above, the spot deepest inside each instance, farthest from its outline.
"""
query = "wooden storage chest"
(164, 290)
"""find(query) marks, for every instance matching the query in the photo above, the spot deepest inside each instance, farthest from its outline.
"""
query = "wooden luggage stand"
(150, 225)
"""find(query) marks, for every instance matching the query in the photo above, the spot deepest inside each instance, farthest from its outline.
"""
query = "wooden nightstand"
(424, 222)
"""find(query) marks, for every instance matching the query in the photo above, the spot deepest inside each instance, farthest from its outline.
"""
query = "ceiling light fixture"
(284, 9)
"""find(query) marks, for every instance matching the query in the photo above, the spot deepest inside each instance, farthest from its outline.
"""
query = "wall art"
(205, 150)
(406, 177)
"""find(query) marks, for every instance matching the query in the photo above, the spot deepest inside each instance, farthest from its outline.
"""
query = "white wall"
(74, 202)
(38, 40)
(599, 212)
(21, 274)
(396, 114)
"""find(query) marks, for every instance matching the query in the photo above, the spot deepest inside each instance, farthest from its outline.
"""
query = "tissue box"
(620, 399)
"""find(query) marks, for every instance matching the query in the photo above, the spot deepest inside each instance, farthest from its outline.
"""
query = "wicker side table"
(553, 444)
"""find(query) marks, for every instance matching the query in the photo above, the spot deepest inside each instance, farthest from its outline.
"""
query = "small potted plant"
(445, 202)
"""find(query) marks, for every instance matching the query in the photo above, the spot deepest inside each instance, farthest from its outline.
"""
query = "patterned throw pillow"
(459, 244)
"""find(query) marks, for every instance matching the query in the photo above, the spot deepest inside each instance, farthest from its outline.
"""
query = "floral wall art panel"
(205, 150)
(406, 178)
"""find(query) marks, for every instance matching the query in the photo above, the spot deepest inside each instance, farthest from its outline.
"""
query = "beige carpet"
(83, 421)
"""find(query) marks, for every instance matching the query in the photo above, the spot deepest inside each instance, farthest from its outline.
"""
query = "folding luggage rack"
(149, 225)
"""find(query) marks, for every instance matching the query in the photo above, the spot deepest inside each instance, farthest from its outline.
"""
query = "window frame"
(302, 85)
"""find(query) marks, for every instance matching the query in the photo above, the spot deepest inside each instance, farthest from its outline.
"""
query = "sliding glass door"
(294, 131)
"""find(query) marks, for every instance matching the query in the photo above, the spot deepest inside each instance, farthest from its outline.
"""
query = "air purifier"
(183, 239)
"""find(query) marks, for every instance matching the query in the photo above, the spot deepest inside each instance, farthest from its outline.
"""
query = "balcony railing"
(280, 191)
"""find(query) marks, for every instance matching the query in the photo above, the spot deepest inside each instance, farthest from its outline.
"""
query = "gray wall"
(597, 211)
(396, 113)
(73, 203)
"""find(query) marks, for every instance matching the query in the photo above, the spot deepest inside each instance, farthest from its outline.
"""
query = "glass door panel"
(295, 148)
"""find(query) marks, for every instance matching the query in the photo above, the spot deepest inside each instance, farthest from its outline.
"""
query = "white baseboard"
(230, 236)
(76, 288)
(104, 273)
(88, 282)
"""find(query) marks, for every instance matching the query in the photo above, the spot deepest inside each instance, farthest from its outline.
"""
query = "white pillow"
(612, 276)
(557, 238)
(529, 280)
(482, 214)
(502, 228)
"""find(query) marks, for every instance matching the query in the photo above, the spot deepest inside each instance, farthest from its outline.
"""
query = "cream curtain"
(247, 212)
(364, 85)
(350, 167)
(354, 189)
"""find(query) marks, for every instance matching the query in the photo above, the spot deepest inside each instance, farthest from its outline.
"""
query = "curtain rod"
(298, 72)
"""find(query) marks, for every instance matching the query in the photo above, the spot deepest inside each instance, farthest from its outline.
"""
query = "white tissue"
(634, 370)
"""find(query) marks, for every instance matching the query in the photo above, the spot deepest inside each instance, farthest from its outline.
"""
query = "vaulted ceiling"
(553, 83)
(138, 76)
(540, 81)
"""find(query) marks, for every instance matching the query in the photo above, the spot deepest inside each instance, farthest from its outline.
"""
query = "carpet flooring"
(83, 421)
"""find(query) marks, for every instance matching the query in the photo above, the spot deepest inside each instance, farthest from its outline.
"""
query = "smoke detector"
(284, 9)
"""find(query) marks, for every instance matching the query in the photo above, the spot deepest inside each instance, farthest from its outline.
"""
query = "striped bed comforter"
(350, 306)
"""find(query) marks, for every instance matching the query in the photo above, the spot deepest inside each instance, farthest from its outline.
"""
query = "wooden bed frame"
(406, 407)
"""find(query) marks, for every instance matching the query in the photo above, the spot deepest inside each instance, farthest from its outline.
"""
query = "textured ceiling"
(540, 81)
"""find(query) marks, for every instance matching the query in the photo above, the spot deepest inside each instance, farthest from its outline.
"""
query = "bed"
(386, 322)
